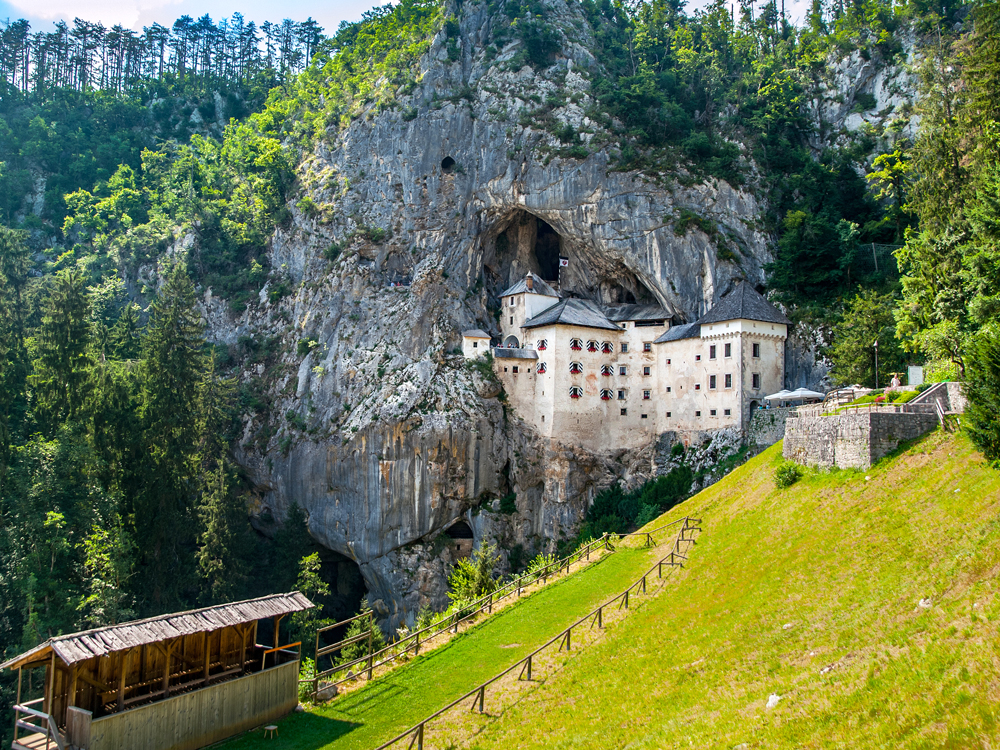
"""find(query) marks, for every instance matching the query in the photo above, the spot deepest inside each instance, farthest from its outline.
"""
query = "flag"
(563, 262)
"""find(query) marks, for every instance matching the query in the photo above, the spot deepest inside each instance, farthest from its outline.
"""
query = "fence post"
(529, 669)
(416, 650)
(659, 569)
(482, 698)
(370, 631)
(568, 632)
(626, 599)
(420, 738)
(315, 669)
(600, 621)
(649, 540)
(644, 584)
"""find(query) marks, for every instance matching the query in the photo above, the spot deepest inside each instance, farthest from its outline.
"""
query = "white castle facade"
(617, 376)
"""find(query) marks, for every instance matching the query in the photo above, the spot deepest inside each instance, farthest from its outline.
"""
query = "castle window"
(624, 348)
(607, 347)
(697, 358)
(512, 320)
(729, 380)
(624, 412)
(668, 415)
(668, 360)
(711, 352)
(756, 380)
(623, 370)
(756, 351)
(711, 382)
(511, 301)
(729, 350)
(697, 386)
(644, 416)
(515, 369)
(575, 391)
(606, 394)
(645, 395)
(475, 344)
(621, 395)
(645, 371)
(712, 413)
(727, 412)
(607, 370)
(668, 389)
(697, 413)
(542, 345)
(592, 346)
(575, 368)
(575, 344)
(647, 346)
(541, 368)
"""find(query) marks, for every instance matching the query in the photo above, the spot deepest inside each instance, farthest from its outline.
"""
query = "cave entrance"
(547, 246)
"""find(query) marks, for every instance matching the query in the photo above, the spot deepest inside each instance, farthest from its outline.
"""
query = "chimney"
(529, 281)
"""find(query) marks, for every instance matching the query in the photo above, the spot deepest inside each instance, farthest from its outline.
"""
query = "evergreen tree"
(62, 367)
(291, 543)
(124, 336)
(225, 539)
(170, 409)
(13, 358)
(866, 319)
(983, 392)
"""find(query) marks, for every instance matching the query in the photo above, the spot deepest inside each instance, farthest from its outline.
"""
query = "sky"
(138, 13)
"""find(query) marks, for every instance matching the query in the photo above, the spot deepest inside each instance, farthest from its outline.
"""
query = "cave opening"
(547, 247)
(447, 164)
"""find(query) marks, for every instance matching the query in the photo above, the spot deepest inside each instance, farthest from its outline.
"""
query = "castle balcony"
(503, 352)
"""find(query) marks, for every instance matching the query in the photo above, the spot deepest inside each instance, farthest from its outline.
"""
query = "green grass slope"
(367, 717)
(811, 593)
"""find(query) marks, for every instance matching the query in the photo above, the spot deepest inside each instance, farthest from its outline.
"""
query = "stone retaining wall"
(767, 427)
(851, 440)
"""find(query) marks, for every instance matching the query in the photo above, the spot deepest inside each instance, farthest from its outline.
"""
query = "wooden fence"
(373, 660)
(563, 639)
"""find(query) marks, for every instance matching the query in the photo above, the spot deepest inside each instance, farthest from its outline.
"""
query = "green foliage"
(668, 490)
(787, 474)
(225, 540)
(311, 584)
(982, 390)
(508, 504)
(866, 319)
(472, 577)
(362, 626)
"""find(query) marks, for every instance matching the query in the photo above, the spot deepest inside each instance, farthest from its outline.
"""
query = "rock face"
(419, 217)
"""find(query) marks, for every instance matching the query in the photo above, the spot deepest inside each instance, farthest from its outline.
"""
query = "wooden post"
(482, 698)
(420, 738)
(206, 650)
(277, 630)
(316, 669)
(644, 584)
(122, 671)
(600, 624)
(529, 669)
(168, 650)
(416, 649)
(568, 633)
(626, 599)
(243, 648)
(50, 681)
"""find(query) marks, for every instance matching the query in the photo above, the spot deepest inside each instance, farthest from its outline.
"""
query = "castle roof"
(676, 333)
(744, 303)
(537, 287)
(475, 333)
(501, 352)
(620, 313)
(573, 312)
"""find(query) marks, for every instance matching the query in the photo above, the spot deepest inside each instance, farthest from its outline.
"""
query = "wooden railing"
(24, 715)
(399, 649)
(593, 618)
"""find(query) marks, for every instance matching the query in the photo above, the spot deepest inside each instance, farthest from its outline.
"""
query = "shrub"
(361, 626)
(472, 577)
(306, 672)
(508, 504)
(787, 474)
(305, 346)
(983, 392)
(647, 514)
(540, 561)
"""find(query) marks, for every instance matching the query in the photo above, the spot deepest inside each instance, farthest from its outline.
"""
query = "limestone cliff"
(418, 216)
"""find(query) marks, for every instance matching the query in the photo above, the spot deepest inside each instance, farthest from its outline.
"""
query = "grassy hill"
(812, 593)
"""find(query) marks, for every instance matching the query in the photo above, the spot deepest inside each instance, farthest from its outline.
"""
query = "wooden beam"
(243, 647)
(166, 670)
(122, 671)
(74, 675)
(206, 654)
(50, 681)
(104, 688)
(277, 629)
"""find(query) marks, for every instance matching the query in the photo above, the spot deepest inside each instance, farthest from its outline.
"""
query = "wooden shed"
(175, 682)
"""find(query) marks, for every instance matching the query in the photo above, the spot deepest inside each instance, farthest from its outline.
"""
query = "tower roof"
(537, 287)
(573, 312)
(744, 303)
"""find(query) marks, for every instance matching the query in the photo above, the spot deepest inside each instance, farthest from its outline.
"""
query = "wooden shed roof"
(77, 647)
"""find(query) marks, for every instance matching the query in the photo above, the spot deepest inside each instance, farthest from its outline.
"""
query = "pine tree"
(13, 357)
(225, 539)
(62, 367)
(124, 336)
(173, 368)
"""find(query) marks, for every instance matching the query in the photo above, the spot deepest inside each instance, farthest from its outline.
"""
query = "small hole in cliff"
(447, 164)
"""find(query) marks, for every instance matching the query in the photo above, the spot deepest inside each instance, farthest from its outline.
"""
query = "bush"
(508, 504)
(982, 388)
(472, 577)
(362, 626)
(307, 671)
(787, 474)
(540, 561)
(647, 514)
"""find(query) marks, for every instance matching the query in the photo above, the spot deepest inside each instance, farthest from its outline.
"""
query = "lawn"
(369, 716)
(866, 600)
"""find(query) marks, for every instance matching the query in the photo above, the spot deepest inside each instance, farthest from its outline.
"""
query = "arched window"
(575, 368)
(542, 345)
(607, 370)
(575, 344)
(592, 346)
(608, 348)
(511, 342)
(541, 368)
(575, 391)
(607, 394)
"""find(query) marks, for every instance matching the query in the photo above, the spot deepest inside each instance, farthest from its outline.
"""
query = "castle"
(616, 376)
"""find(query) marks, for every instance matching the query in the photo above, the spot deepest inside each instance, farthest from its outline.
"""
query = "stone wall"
(767, 427)
(853, 440)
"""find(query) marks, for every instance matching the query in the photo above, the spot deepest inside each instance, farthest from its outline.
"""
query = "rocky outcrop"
(418, 216)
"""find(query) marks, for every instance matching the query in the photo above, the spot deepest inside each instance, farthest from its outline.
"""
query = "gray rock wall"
(852, 440)
(767, 427)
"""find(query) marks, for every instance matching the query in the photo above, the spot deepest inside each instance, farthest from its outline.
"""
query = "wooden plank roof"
(77, 647)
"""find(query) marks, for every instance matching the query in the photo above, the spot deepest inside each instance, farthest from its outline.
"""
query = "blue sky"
(138, 13)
